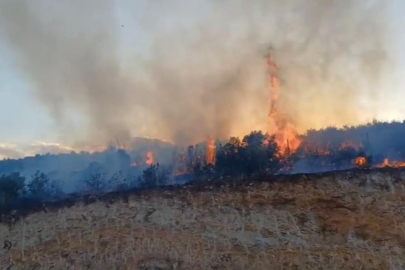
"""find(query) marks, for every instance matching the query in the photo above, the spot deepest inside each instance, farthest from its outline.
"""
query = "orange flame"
(149, 158)
(285, 134)
(361, 161)
(211, 152)
(391, 164)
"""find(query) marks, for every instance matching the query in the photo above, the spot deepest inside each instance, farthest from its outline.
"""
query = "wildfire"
(149, 158)
(361, 161)
(349, 145)
(319, 150)
(180, 167)
(391, 164)
(285, 134)
(211, 152)
(323, 152)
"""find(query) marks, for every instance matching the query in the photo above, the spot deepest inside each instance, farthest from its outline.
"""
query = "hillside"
(339, 220)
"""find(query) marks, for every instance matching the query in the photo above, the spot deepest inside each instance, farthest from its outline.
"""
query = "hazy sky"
(141, 26)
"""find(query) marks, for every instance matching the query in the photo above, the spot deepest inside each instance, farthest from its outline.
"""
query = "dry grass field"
(339, 220)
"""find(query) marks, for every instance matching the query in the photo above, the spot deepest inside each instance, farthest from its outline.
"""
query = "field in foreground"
(339, 220)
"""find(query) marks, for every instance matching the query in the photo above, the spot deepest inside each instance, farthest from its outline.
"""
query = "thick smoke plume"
(191, 77)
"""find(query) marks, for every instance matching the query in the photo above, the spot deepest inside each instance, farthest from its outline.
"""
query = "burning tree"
(211, 152)
(285, 134)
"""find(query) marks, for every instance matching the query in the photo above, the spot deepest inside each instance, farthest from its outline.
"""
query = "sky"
(141, 28)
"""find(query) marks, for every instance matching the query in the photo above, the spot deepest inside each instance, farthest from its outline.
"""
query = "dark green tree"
(96, 181)
(11, 186)
(229, 160)
(95, 177)
(155, 176)
(118, 181)
(55, 189)
(255, 153)
(39, 184)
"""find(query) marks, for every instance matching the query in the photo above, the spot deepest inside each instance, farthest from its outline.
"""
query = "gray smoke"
(205, 76)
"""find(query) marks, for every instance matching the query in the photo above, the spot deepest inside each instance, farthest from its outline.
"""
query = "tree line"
(254, 154)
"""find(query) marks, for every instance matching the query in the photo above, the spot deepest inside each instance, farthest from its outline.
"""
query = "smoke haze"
(203, 76)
